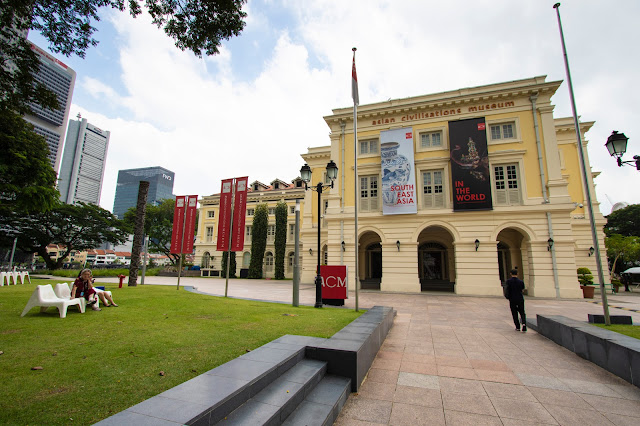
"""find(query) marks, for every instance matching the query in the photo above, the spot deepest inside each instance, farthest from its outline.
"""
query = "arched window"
(268, 262)
(206, 259)
(246, 260)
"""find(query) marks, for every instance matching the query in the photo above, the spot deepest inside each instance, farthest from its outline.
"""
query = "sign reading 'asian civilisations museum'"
(398, 175)
(470, 178)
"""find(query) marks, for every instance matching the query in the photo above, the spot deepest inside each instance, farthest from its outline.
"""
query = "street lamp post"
(617, 146)
(305, 174)
(585, 179)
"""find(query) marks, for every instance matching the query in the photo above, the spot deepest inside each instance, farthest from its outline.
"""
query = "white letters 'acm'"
(332, 282)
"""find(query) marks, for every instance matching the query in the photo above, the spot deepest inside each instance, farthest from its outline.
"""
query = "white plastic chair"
(44, 297)
(63, 291)
(23, 275)
(4, 278)
(14, 277)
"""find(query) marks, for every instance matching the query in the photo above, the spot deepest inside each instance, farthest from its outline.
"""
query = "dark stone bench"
(256, 376)
(350, 352)
(615, 352)
(614, 319)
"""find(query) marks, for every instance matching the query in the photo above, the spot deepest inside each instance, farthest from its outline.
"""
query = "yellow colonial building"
(494, 181)
(210, 260)
(454, 190)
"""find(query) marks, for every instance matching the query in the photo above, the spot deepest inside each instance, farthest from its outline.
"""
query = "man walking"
(514, 288)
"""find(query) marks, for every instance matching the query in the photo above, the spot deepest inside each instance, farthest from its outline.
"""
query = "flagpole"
(354, 90)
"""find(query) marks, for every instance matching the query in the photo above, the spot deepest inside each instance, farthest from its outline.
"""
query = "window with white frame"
(369, 193)
(248, 234)
(271, 232)
(272, 211)
(431, 140)
(503, 131)
(209, 233)
(268, 261)
(368, 147)
(292, 230)
(432, 189)
(292, 209)
(251, 212)
(506, 185)
(211, 213)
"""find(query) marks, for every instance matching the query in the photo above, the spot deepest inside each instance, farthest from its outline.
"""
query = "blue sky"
(253, 109)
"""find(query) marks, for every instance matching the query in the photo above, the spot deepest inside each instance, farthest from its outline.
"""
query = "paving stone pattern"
(457, 360)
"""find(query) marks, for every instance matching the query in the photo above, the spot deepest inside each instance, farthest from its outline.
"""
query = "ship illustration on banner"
(476, 164)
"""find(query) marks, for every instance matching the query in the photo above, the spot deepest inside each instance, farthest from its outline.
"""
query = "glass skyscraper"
(160, 187)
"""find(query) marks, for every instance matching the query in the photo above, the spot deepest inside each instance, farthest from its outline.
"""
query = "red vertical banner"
(178, 220)
(239, 214)
(190, 223)
(224, 215)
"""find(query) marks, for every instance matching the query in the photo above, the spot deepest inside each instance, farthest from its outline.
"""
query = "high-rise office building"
(82, 169)
(60, 79)
(160, 187)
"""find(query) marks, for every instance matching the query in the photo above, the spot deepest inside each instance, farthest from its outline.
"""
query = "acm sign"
(334, 282)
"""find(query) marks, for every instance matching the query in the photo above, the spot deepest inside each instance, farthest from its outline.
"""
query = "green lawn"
(628, 330)
(99, 363)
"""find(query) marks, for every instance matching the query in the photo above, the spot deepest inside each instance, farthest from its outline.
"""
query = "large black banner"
(470, 177)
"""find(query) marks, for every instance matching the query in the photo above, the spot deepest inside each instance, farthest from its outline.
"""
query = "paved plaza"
(457, 360)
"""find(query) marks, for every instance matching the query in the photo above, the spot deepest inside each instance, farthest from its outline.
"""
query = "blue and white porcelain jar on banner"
(396, 170)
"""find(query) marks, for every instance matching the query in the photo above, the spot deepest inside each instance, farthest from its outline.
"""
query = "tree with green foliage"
(625, 222)
(232, 266)
(584, 276)
(158, 225)
(76, 227)
(258, 240)
(196, 25)
(625, 249)
(281, 238)
(27, 180)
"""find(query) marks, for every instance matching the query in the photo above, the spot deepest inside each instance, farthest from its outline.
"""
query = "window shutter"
(513, 196)
(427, 201)
(501, 196)
(364, 203)
(373, 203)
(438, 200)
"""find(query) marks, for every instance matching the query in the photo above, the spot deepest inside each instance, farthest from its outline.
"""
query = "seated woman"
(83, 287)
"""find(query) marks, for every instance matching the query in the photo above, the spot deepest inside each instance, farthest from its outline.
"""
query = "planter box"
(587, 291)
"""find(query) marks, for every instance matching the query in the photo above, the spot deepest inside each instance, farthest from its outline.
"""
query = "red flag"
(178, 220)
(224, 215)
(354, 81)
(239, 212)
(190, 223)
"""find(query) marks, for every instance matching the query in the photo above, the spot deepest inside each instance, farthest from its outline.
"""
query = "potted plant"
(615, 283)
(586, 283)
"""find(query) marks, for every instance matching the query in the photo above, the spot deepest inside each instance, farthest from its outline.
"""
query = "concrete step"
(322, 406)
(273, 404)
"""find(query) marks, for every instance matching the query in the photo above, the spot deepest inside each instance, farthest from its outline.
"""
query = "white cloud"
(199, 118)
